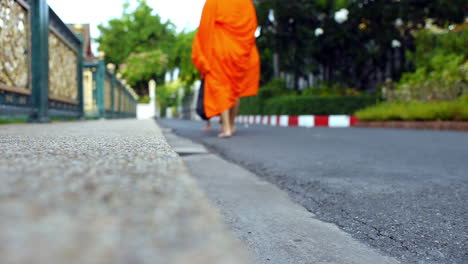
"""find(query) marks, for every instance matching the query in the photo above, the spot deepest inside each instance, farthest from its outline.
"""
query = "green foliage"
(167, 95)
(441, 73)
(305, 105)
(276, 87)
(252, 105)
(145, 48)
(351, 52)
(135, 32)
(144, 99)
(139, 36)
(255, 104)
(182, 58)
(144, 66)
(428, 45)
(315, 105)
(62, 119)
(329, 89)
(6, 121)
(329, 98)
(416, 111)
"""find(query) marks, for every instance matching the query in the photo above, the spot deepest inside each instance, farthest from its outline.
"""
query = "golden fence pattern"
(108, 93)
(125, 104)
(116, 99)
(14, 45)
(89, 86)
(63, 82)
(128, 105)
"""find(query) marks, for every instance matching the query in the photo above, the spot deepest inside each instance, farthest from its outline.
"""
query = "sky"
(185, 14)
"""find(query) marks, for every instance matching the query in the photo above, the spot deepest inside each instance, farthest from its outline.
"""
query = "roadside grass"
(6, 121)
(416, 111)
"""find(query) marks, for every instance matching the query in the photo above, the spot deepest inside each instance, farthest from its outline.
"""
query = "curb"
(300, 121)
(419, 125)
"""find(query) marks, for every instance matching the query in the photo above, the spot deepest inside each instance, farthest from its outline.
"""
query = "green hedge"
(251, 106)
(416, 111)
(315, 105)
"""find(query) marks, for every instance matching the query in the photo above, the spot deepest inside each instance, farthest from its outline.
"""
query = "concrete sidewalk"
(276, 230)
(103, 192)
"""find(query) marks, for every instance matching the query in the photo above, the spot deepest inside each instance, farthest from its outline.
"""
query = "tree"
(143, 66)
(359, 50)
(140, 44)
(182, 59)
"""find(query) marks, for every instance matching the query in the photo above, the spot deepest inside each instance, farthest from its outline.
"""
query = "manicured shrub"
(254, 105)
(416, 111)
(275, 88)
(275, 99)
(251, 106)
(316, 105)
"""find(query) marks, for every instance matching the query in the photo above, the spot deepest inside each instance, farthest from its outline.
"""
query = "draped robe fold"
(225, 52)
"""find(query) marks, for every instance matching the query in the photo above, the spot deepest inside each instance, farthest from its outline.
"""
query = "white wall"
(148, 111)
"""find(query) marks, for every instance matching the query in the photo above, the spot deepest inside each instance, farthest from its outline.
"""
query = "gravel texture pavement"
(103, 192)
(403, 192)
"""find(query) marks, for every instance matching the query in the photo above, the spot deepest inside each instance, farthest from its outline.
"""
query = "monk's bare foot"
(233, 130)
(225, 135)
(206, 129)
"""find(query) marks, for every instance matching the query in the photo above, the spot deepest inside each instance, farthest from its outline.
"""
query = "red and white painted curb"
(300, 121)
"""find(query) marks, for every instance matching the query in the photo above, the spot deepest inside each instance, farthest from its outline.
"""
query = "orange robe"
(225, 52)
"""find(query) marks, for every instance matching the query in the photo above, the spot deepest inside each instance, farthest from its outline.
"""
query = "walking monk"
(225, 53)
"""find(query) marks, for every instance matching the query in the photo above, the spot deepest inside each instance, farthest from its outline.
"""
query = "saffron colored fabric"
(225, 52)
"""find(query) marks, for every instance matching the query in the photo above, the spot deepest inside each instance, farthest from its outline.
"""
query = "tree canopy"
(355, 42)
(144, 47)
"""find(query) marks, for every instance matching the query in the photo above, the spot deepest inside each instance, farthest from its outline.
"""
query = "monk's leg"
(207, 125)
(225, 125)
(232, 115)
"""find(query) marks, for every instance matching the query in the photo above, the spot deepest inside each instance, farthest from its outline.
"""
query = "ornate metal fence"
(106, 94)
(15, 59)
(40, 63)
(65, 70)
(42, 74)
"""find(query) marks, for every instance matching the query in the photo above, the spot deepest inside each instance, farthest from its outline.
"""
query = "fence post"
(40, 60)
(100, 86)
(121, 98)
(80, 78)
(113, 84)
(111, 69)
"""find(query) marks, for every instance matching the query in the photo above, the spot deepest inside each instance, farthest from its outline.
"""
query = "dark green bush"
(252, 105)
(329, 89)
(276, 87)
(315, 105)
(275, 99)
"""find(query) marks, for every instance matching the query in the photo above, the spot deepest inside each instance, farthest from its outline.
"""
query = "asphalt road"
(403, 192)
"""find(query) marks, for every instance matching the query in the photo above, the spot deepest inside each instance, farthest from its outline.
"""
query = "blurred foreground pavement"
(103, 192)
(403, 192)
